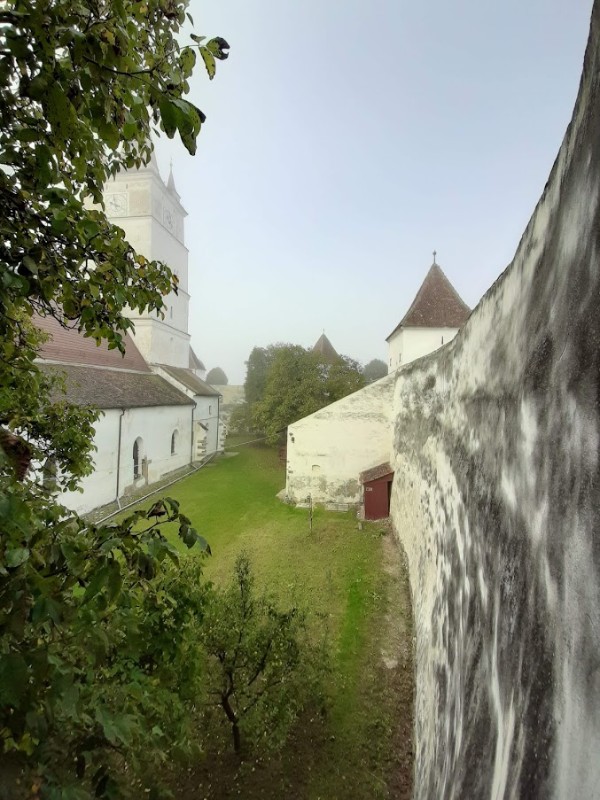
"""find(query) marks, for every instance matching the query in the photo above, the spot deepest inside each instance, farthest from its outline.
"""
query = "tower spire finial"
(434, 255)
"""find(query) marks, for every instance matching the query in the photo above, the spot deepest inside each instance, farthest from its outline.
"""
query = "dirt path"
(397, 656)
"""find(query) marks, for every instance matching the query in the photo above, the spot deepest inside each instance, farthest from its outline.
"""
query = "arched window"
(174, 437)
(138, 455)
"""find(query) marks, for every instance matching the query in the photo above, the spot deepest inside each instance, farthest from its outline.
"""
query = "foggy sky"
(345, 141)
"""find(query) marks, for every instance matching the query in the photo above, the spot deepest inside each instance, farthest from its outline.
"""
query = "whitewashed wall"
(155, 426)
(207, 412)
(412, 343)
(145, 202)
(327, 450)
(496, 499)
(161, 343)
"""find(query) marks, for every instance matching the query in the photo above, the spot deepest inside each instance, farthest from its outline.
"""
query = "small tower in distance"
(325, 349)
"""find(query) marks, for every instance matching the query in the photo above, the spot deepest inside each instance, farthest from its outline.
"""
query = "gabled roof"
(114, 388)
(437, 305)
(192, 382)
(376, 472)
(68, 346)
(324, 347)
(194, 362)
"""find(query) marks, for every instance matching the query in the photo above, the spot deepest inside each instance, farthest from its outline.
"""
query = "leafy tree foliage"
(262, 668)
(300, 382)
(82, 86)
(375, 370)
(217, 377)
(257, 370)
(87, 681)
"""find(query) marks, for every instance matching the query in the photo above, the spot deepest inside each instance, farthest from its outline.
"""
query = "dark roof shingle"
(376, 472)
(325, 349)
(190, 381)
(112, 388)
(437, 305)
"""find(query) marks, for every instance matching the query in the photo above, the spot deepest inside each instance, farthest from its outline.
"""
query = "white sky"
(348, 139)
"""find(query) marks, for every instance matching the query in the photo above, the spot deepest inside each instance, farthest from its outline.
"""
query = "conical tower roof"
(437, 305)
(325, 349)
(171, 183)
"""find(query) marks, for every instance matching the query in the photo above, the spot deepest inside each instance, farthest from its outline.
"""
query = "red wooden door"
(377, 504)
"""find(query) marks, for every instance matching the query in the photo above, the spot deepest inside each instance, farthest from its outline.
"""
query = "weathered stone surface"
(497, 501)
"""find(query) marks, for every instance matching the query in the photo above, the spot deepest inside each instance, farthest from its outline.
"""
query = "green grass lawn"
(337, 573)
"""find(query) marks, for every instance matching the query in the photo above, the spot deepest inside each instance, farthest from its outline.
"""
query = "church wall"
(327, 450)
(412, 343)
(207, 413)
(165, 247)
(155, 427)
(496, 499)
(100, 487)
(160, 343)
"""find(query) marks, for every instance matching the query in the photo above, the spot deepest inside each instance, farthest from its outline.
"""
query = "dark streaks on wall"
(497, 502)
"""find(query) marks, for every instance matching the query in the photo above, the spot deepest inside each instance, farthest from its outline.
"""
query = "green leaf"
(187, 60)
(13, 679)
(30, 264)
(96, 583)
(16, 556)
(217, 47)
(209, 61)
(115, 581)
(169, 115)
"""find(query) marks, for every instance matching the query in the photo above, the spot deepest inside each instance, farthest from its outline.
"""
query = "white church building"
(159, 415)
(339, 456)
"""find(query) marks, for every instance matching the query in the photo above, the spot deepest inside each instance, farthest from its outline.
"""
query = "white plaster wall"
(207, 412)
(327, 450)
(409, 344)
(145, 229)
(99, 488)
(155, 426)
(160, 343)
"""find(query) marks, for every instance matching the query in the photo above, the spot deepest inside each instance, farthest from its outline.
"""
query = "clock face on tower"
(168, 219)
(116, 204)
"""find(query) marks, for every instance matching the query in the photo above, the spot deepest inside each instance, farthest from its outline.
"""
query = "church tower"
(151, 214)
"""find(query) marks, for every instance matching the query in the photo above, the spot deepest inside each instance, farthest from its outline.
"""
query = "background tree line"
(286, 382)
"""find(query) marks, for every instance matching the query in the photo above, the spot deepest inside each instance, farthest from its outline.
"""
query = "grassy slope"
(336, 572)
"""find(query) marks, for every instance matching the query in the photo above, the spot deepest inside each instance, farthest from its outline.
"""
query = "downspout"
(192, 435)
(218, 422)
(119, 458)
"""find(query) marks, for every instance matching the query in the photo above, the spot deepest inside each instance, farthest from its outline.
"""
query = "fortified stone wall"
(497, 501)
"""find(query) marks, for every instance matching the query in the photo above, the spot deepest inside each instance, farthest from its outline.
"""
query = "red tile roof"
(68, 346)
(436, 305)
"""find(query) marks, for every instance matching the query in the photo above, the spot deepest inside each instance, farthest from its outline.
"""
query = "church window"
(174, 438)
(137, 458)
(210, 409)
(171, 313)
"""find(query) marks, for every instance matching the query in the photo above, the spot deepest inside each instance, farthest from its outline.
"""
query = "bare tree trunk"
(231, 716)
